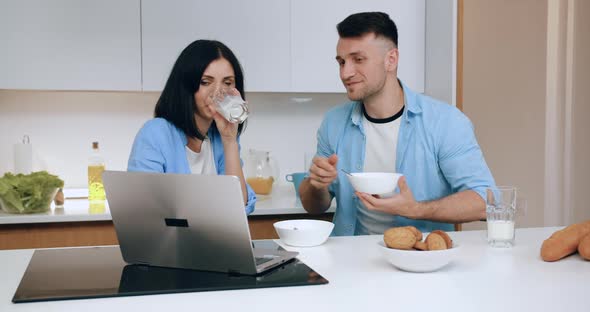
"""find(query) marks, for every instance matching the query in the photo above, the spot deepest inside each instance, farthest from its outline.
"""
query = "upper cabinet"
(314, 38)
(257, 31)
(70, 45)
(283, 45)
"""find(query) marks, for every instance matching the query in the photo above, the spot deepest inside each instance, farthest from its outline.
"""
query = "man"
(389, 128)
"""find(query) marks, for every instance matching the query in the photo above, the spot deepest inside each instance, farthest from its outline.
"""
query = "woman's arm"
(145, 153)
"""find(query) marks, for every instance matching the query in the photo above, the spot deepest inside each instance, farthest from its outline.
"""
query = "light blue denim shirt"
(436, 151)
(161, 147)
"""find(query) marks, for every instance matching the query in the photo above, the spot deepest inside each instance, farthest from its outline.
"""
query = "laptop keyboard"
(261, 260)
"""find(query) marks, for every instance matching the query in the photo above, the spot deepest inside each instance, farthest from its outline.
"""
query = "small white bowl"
(304, 232)
(418, 260)
(374, 182)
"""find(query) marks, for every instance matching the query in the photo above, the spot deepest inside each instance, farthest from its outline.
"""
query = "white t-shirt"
(203, 162)
(380, 156)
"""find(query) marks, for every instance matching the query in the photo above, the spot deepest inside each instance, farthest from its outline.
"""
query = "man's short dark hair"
(360, 24)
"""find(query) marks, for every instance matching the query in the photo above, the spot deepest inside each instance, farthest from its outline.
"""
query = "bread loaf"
(446, 237)
(399, 238)
(410, 238)
(435, 242)
(416, 232)
(564, 242)
(420, 245)
(584, 247)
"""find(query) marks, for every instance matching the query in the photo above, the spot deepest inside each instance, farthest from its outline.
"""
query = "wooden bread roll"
(584, 247)
(564, 242)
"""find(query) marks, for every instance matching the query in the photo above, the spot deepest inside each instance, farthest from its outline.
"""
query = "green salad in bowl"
(29, 193)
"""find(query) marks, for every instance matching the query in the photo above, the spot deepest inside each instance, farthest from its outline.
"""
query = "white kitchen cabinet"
(70, 45)
(283, 45)
(314, 38)
(257, 31)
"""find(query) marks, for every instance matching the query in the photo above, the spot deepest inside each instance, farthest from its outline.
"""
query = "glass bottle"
(96, 167)
(261, 171)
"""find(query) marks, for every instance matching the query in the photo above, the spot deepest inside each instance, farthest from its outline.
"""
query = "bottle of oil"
(95, 169)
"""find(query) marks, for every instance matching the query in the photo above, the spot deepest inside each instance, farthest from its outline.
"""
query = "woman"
(187, 134)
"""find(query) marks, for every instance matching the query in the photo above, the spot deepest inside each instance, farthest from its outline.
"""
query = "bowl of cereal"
(304, 232)
(377, 183)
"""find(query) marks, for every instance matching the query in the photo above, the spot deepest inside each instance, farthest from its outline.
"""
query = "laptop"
(185, 221)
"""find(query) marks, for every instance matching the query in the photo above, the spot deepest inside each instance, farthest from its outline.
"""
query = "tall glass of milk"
(500, 212)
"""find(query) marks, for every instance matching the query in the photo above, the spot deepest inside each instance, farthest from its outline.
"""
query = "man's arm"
(314, 201)
(463, 206)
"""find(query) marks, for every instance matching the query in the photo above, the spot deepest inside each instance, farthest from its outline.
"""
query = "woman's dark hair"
(360, 24)
(177, 101)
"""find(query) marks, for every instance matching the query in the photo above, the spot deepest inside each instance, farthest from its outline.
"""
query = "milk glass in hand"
(231, 106)
(500, 212)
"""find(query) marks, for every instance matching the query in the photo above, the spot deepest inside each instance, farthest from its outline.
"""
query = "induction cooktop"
(98, 272)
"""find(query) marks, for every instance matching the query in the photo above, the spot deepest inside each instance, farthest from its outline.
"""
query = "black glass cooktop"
(95, 272)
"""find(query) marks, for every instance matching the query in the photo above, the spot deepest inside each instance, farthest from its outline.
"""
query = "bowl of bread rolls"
(407, 249)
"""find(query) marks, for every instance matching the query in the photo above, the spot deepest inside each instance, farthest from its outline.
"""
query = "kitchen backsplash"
(62, 126)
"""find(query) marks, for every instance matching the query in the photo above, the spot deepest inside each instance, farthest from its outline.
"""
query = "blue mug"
(296, 178)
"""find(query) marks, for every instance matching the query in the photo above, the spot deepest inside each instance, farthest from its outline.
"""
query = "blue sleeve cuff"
(250, 206)
(481, 191)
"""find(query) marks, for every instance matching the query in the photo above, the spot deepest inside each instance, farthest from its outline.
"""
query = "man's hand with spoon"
(323, 171)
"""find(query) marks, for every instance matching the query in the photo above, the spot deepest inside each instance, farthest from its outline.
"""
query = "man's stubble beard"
(361, 93)
(365, 93)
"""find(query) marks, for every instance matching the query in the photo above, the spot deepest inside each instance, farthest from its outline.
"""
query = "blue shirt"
(161, 147)
(436, 151)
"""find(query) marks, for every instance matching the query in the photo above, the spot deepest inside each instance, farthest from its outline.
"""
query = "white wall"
(526, 90)
(285, 127)
(62, 126)
(504, 87)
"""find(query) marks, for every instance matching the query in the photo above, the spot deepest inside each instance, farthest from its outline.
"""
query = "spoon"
(348, 173)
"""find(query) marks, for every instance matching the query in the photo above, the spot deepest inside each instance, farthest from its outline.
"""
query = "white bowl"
(303, 233)
(374, 182)
(418, 260)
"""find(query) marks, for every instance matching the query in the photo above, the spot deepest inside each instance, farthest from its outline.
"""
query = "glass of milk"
(230, 105)
(500, 212)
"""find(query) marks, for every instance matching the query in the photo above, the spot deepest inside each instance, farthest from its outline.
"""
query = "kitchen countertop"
(282, 201)
(481, 279)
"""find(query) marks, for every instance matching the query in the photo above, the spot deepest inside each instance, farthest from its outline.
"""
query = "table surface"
(282, 201)
(480, 279)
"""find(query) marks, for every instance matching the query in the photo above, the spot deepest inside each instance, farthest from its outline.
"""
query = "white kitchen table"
(481, 279)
